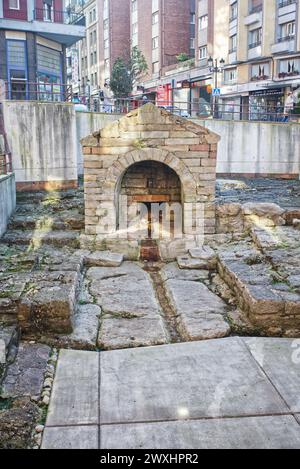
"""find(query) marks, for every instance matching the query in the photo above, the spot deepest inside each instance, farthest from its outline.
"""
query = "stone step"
(104, 259)
(199, 258)
(65, 221)
(40, 196)
(267, 298)
(37, 238)
(9, 338)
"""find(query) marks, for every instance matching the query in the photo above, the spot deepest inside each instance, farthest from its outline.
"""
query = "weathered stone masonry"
(148, 134)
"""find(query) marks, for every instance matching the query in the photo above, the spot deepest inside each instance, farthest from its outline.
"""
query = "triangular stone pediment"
(150, 122)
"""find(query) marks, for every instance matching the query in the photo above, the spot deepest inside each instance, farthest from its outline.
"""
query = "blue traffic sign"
(216, 92)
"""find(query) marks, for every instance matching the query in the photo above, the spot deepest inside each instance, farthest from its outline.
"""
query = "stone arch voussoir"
(123, 163)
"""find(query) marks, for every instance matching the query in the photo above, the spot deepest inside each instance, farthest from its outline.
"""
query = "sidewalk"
(226, 393)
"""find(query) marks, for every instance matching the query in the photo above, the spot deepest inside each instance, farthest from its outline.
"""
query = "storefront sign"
(269, 92)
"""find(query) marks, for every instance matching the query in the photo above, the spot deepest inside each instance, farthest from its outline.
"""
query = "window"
(47, 12)
(192, 43)
(134, 5)
(233, 43)
(91, 16)
(14, 5)
(203, 22)
(155, 67)
(287, 30)
(193, 18)
(106, 44)
(255, 38)
(202, 53)
(94, 14)
(92, 58)
(233, 11)
(91, 38)
(155, 42)
(289, 67)
(96, 79)
(155, 18)
(260, 71)
(230, 76)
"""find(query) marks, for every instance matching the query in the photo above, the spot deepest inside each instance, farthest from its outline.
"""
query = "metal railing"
(216, 109)
(23, 90)
(195, 109)
(5, 154)
(56, 16)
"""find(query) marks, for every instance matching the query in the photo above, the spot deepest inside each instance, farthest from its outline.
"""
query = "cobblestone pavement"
(285, 193)
(230, 393)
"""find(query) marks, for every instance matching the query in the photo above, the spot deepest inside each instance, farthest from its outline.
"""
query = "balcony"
(56, 16)
(284, 44)
(254, 50)
(255, 16)
(64, 27)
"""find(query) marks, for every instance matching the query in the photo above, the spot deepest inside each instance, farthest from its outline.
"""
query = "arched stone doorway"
(152, 200)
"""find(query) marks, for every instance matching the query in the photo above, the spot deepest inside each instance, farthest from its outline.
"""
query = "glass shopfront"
(266, 105)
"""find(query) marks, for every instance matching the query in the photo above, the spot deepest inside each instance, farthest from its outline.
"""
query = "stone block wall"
(149, 134)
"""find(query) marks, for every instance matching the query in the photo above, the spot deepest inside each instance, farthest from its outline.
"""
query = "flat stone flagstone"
(200, 312)
(280, 432)
(75, 395)
(276, 356)
(79, 437)
(131, 314)
(209, 394)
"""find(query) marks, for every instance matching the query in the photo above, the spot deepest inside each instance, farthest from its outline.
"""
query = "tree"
(138, 65)
(125, 75)
(120, 82)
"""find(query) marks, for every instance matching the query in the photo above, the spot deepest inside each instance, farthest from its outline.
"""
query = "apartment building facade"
(107, 38)
(34, 35)
(162, 30)
(263, 63)
(259, 41)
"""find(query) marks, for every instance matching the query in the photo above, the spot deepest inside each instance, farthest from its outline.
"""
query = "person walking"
(108, 99)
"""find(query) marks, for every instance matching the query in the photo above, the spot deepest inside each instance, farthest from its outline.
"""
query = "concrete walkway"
(226, 393)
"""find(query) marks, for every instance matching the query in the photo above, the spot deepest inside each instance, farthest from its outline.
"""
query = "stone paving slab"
(280, 432)
(81, 437)
(214, 378)
(194, 395)
(200, 312)
(25, 376)
(276, 356)
(75, 395)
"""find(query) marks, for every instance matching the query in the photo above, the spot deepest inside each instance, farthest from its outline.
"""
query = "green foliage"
(125, 75)
(183, 57)
(120, 82)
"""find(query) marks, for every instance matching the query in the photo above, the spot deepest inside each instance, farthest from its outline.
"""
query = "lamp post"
(88, 87)
(215, 66)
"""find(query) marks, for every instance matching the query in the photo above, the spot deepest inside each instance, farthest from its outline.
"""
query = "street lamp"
(88, 85)
(215, 67)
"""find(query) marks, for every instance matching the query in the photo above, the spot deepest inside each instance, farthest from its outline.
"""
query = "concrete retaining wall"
(43, 142)
(257, 148)
(7, 200)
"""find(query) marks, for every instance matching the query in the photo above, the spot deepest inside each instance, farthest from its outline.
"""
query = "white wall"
(42, 139)
(7, 200)
(260, 148)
